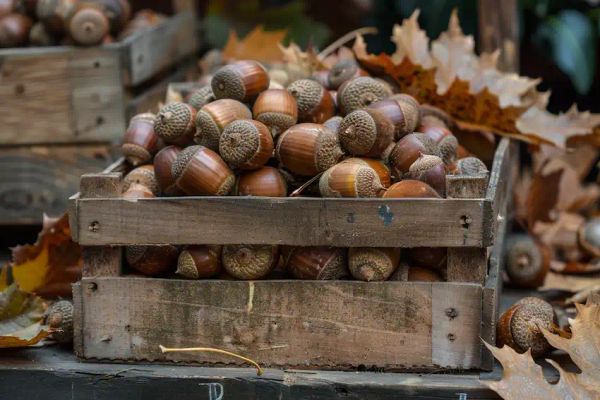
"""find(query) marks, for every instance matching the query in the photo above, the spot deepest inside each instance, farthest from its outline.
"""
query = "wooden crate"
(293, 323)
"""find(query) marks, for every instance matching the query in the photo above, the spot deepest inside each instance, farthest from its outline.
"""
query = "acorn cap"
(471, 166)
(366, 133)
(361, 92)
(411, 110)
(213, 117)
(249, 261)
(424, 163)
(144, 176)
(174, 123)
(59, 316)
(342, 71)
(201, 97)
(199, 261)
(88, 26)
(373, 264)
(246, 144)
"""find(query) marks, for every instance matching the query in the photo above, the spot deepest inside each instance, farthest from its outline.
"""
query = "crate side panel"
(295, 221)
(277, 323)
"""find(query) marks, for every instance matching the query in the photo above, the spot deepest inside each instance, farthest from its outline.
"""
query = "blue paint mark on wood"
(386, 215)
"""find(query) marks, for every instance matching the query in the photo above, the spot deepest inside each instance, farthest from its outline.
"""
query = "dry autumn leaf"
(20, 316)
(47, 267)
(448, 74)
(522, 378)
(259, 45)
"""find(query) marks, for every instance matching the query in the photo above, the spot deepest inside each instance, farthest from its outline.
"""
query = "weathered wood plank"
(291, 221)
(294, 323)
(77, 319)
(456, 320)
(499, 29)
(39, 179)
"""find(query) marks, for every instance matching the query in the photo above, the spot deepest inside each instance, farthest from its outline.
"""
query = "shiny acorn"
(212, 118)
(242, 80)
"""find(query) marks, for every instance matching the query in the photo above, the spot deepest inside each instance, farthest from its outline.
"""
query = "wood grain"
(308, 324)
(499, 29)
(291, 221)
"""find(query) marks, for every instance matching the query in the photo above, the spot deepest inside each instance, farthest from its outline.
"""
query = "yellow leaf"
(29, 336)
(258, 45)
(20, 318)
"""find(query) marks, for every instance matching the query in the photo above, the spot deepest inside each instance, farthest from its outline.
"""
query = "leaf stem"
(164, 349)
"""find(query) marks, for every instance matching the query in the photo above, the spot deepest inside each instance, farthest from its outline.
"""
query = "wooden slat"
(307, 324)
(77, 320)
(499, 29)
(39, 179)
(291, 221)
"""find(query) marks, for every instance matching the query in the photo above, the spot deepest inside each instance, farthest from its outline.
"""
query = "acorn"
(333, 123)
(366, 133)
(350, 179)
(199, 262)
(588, 237)
(39, 36)
(249, 261)
(241, 80)
(118, 13)
(316, 263)
(277, 109)
(14, 30)
(212, 118)
(140, 142)
(265, 181)
(315, 103)
(88, 25)
(361, 92)
(431, 170)
(163, 165)
(410, 189)
(379, 166)
(59, 317)
(200, 171)
(7, 7)
(174, 123)
(433, 258)
(342, 71)
(420, 274)
(201, 97)
(403, 115)
(151, 260)
(446, 141)
(54, 14)
(411, 108)
(471, 166)
(527, 261)
(434, 116)
(137, 191)
(408, 150)
(520, 326)
(373, 263)
(321, 76)
(307, 149)
(144, 176)
(246, 144)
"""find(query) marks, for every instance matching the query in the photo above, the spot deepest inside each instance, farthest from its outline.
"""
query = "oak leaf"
(257, 45)
(20, 316)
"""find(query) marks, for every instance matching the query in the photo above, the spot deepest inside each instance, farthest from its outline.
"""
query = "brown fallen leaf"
(574, 267)
(259, 45)
(522, 378)
(569, 283)
(49, 266)
(20, 316)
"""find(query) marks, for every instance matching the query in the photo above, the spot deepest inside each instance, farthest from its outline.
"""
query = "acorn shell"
(59, 317)
(317, 263)
(407, 151)
(163, 164)
(361, 92)
(242, 80)
(527, 261)
(307, 149)
(151, 260)
(410, 189)
(411, 109)
(14, 30)
(88, 25)
(137, 191)
(401, 114)
(265, 181)
(420, 274)
(431, 170)
(144, 176)
(199, 262)
(315, 103)
(174, 123)
(373, 263)
(471, 166)
(200, 171)
(433, 258)
(246, 144)
(379, 166)
(214, 117)
(447, 142)
(342, 71)
(140, 142)
(519, 326)
(201, 97)
(350, 180)
(249, 261)
(366, 133)
(277, 109)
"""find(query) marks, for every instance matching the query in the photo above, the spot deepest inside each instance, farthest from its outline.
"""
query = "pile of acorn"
(245, 135)
(67, 22)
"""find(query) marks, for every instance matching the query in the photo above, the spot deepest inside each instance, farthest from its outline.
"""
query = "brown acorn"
(241, 80)
(201, 97)
(434, 116)
(307, 149)
(249, 261)
(433, 258)
(137, 191)
(410, 189)
(151, 260)
(200, 171)
(39, 36)
(265, 181)
(420, 274)
(373, 263)
(431, 170)
(379, 166)
(446, 141)
(317, 263)
(361, 92)
(144, 176)
(174, 123)
(471, 166)
(402, 114)
(59, 317)
(212, 118)
(118, 13)
(411, 108)
(366, 133)
(315, 103)
(527, 261)
(54, 14)
(277, 109)
(14, 30)
(333, 123)
(350, 179)
(321, 76)
(408, 150)
(520, 326)
(140, 142)
(344, 70)
(246, 144)
(163, 165)
(199, 262)
(88, 25)
(588, 237)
